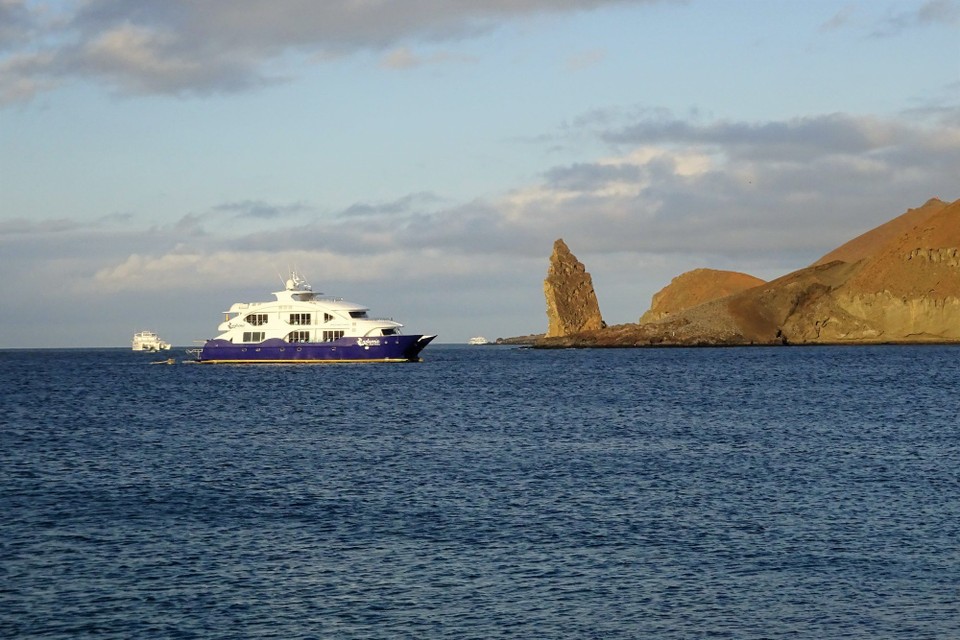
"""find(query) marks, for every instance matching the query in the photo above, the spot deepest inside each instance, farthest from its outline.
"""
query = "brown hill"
(870, 242)
(900, 284)
(920, 262)
(694, 288)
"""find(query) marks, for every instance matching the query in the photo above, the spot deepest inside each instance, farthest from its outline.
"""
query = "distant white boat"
(479, 340)
(148, 341)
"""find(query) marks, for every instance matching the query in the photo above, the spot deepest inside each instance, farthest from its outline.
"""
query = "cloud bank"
(181, 47)
(792, 188)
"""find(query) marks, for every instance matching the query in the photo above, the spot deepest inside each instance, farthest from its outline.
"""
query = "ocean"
(486, 492)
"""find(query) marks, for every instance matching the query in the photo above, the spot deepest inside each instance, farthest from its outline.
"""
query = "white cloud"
(183, 47)
(721, 188)
(688, 162)
(401, 58)
(405, 58)
(23, 77)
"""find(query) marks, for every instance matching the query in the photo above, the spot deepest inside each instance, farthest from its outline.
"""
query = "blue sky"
(161, 160)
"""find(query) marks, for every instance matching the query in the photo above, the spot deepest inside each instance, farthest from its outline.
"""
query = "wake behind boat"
(303, 326)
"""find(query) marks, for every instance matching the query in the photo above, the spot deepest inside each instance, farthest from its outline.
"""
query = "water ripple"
(485, 493)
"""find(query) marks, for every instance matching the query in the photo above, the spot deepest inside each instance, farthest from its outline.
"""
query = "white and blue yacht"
(302, 326)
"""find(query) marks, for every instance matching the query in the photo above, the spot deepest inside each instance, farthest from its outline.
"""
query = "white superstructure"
(479, 340)
(300, 315)
(148, 341)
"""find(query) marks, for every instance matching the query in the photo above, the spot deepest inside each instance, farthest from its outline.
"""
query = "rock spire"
(571, 301)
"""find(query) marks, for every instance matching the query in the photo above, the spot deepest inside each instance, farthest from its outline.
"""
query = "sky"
(161, 160)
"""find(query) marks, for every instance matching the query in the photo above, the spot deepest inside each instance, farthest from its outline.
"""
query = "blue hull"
(273, 351)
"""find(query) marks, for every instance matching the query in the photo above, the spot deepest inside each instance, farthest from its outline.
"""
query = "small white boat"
(148, 341)
(479, 340)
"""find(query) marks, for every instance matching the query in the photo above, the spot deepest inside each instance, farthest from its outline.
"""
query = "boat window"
(257, 319)
(358, 314)
(388, 332)
(327, 317)
(330, 336)
(298, 336)
(254, 336)
(299, 318)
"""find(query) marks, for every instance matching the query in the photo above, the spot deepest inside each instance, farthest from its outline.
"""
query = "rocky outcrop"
(571, 301)
(694, 288)
(899, 283)
(521, 341)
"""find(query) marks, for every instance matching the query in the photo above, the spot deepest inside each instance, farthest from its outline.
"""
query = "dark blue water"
(484, 493)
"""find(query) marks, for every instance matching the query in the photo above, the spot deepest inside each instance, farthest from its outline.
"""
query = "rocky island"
(898, 283)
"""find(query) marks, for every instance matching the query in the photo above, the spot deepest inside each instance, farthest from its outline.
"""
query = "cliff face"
(571, 301)
(907, 290)
(898, 283)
